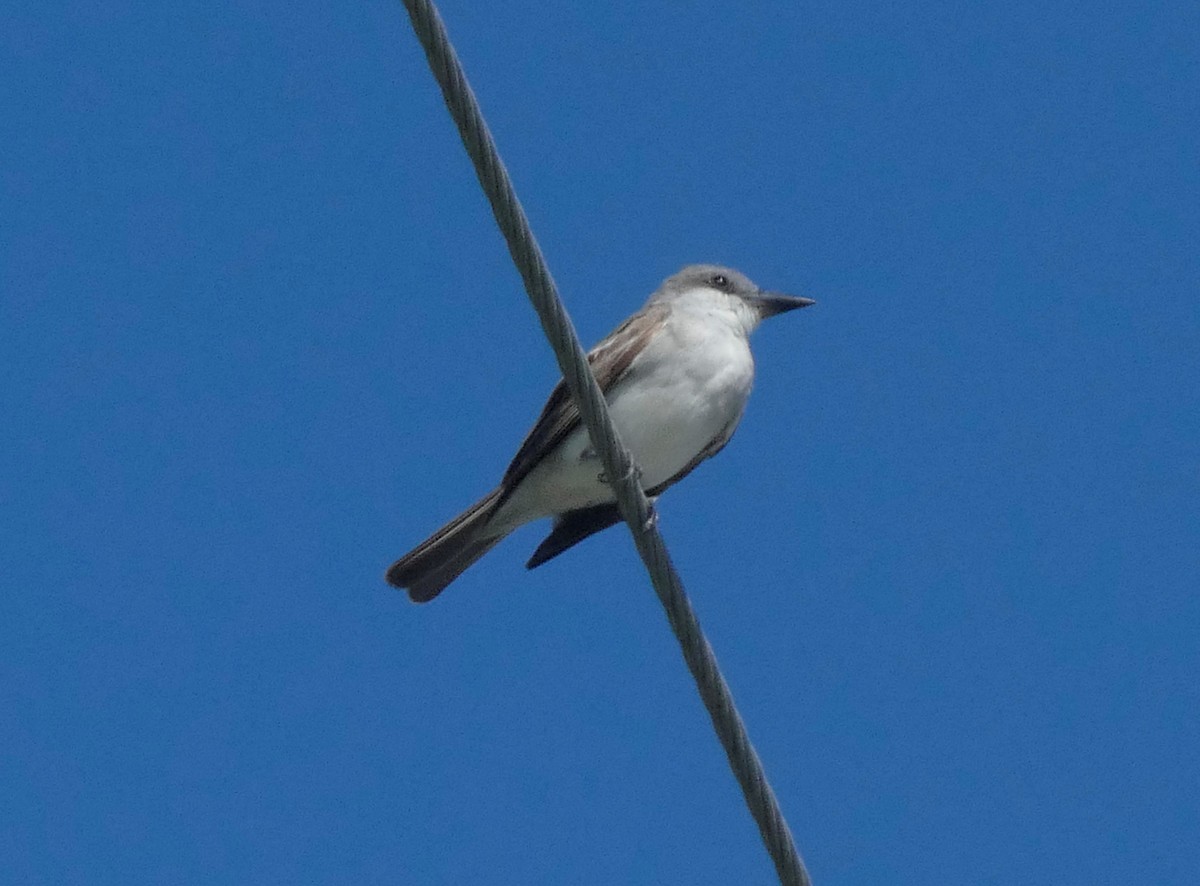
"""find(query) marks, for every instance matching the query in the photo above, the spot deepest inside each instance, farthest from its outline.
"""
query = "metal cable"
(635, 508)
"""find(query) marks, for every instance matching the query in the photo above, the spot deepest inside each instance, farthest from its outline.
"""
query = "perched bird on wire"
(675, 375)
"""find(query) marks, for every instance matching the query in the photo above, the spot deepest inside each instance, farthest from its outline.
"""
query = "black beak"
(771, 303)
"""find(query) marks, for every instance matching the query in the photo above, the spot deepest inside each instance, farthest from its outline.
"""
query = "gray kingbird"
(675, 375)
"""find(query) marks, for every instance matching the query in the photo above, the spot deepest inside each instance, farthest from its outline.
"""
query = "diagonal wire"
(635, 508)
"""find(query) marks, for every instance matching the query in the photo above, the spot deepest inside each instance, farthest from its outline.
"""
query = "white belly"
(680, 394)
(671, 413)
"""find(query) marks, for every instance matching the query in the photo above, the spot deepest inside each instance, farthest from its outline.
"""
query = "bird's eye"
(720, 281)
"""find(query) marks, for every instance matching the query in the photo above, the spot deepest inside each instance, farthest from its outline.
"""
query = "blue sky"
(259, 336)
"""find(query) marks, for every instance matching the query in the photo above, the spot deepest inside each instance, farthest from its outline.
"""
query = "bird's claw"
(634, 472)
(651, 518)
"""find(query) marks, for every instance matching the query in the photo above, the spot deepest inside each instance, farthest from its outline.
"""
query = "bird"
(676, 376)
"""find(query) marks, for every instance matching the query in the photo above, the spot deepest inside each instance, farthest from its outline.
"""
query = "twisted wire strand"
(634, 507)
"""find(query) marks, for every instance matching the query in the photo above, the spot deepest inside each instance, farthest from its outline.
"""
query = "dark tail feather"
(444, 556)
(571, 528)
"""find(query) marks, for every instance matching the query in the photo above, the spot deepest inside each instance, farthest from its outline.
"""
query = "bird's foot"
(651, 518)
(634, 473)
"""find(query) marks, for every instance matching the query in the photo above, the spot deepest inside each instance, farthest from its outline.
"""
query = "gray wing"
(609, 361)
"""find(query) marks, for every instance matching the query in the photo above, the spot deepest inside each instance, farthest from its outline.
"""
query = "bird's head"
(716, 287)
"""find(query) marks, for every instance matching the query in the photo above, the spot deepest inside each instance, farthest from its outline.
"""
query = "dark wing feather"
(571, 528)
(609, 362)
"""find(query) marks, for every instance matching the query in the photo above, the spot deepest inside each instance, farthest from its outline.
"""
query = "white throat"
(717, 307)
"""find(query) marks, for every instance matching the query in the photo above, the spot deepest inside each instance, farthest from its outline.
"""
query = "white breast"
(687, 387)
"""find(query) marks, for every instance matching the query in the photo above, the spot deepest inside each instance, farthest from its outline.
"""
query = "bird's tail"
(444, 556)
